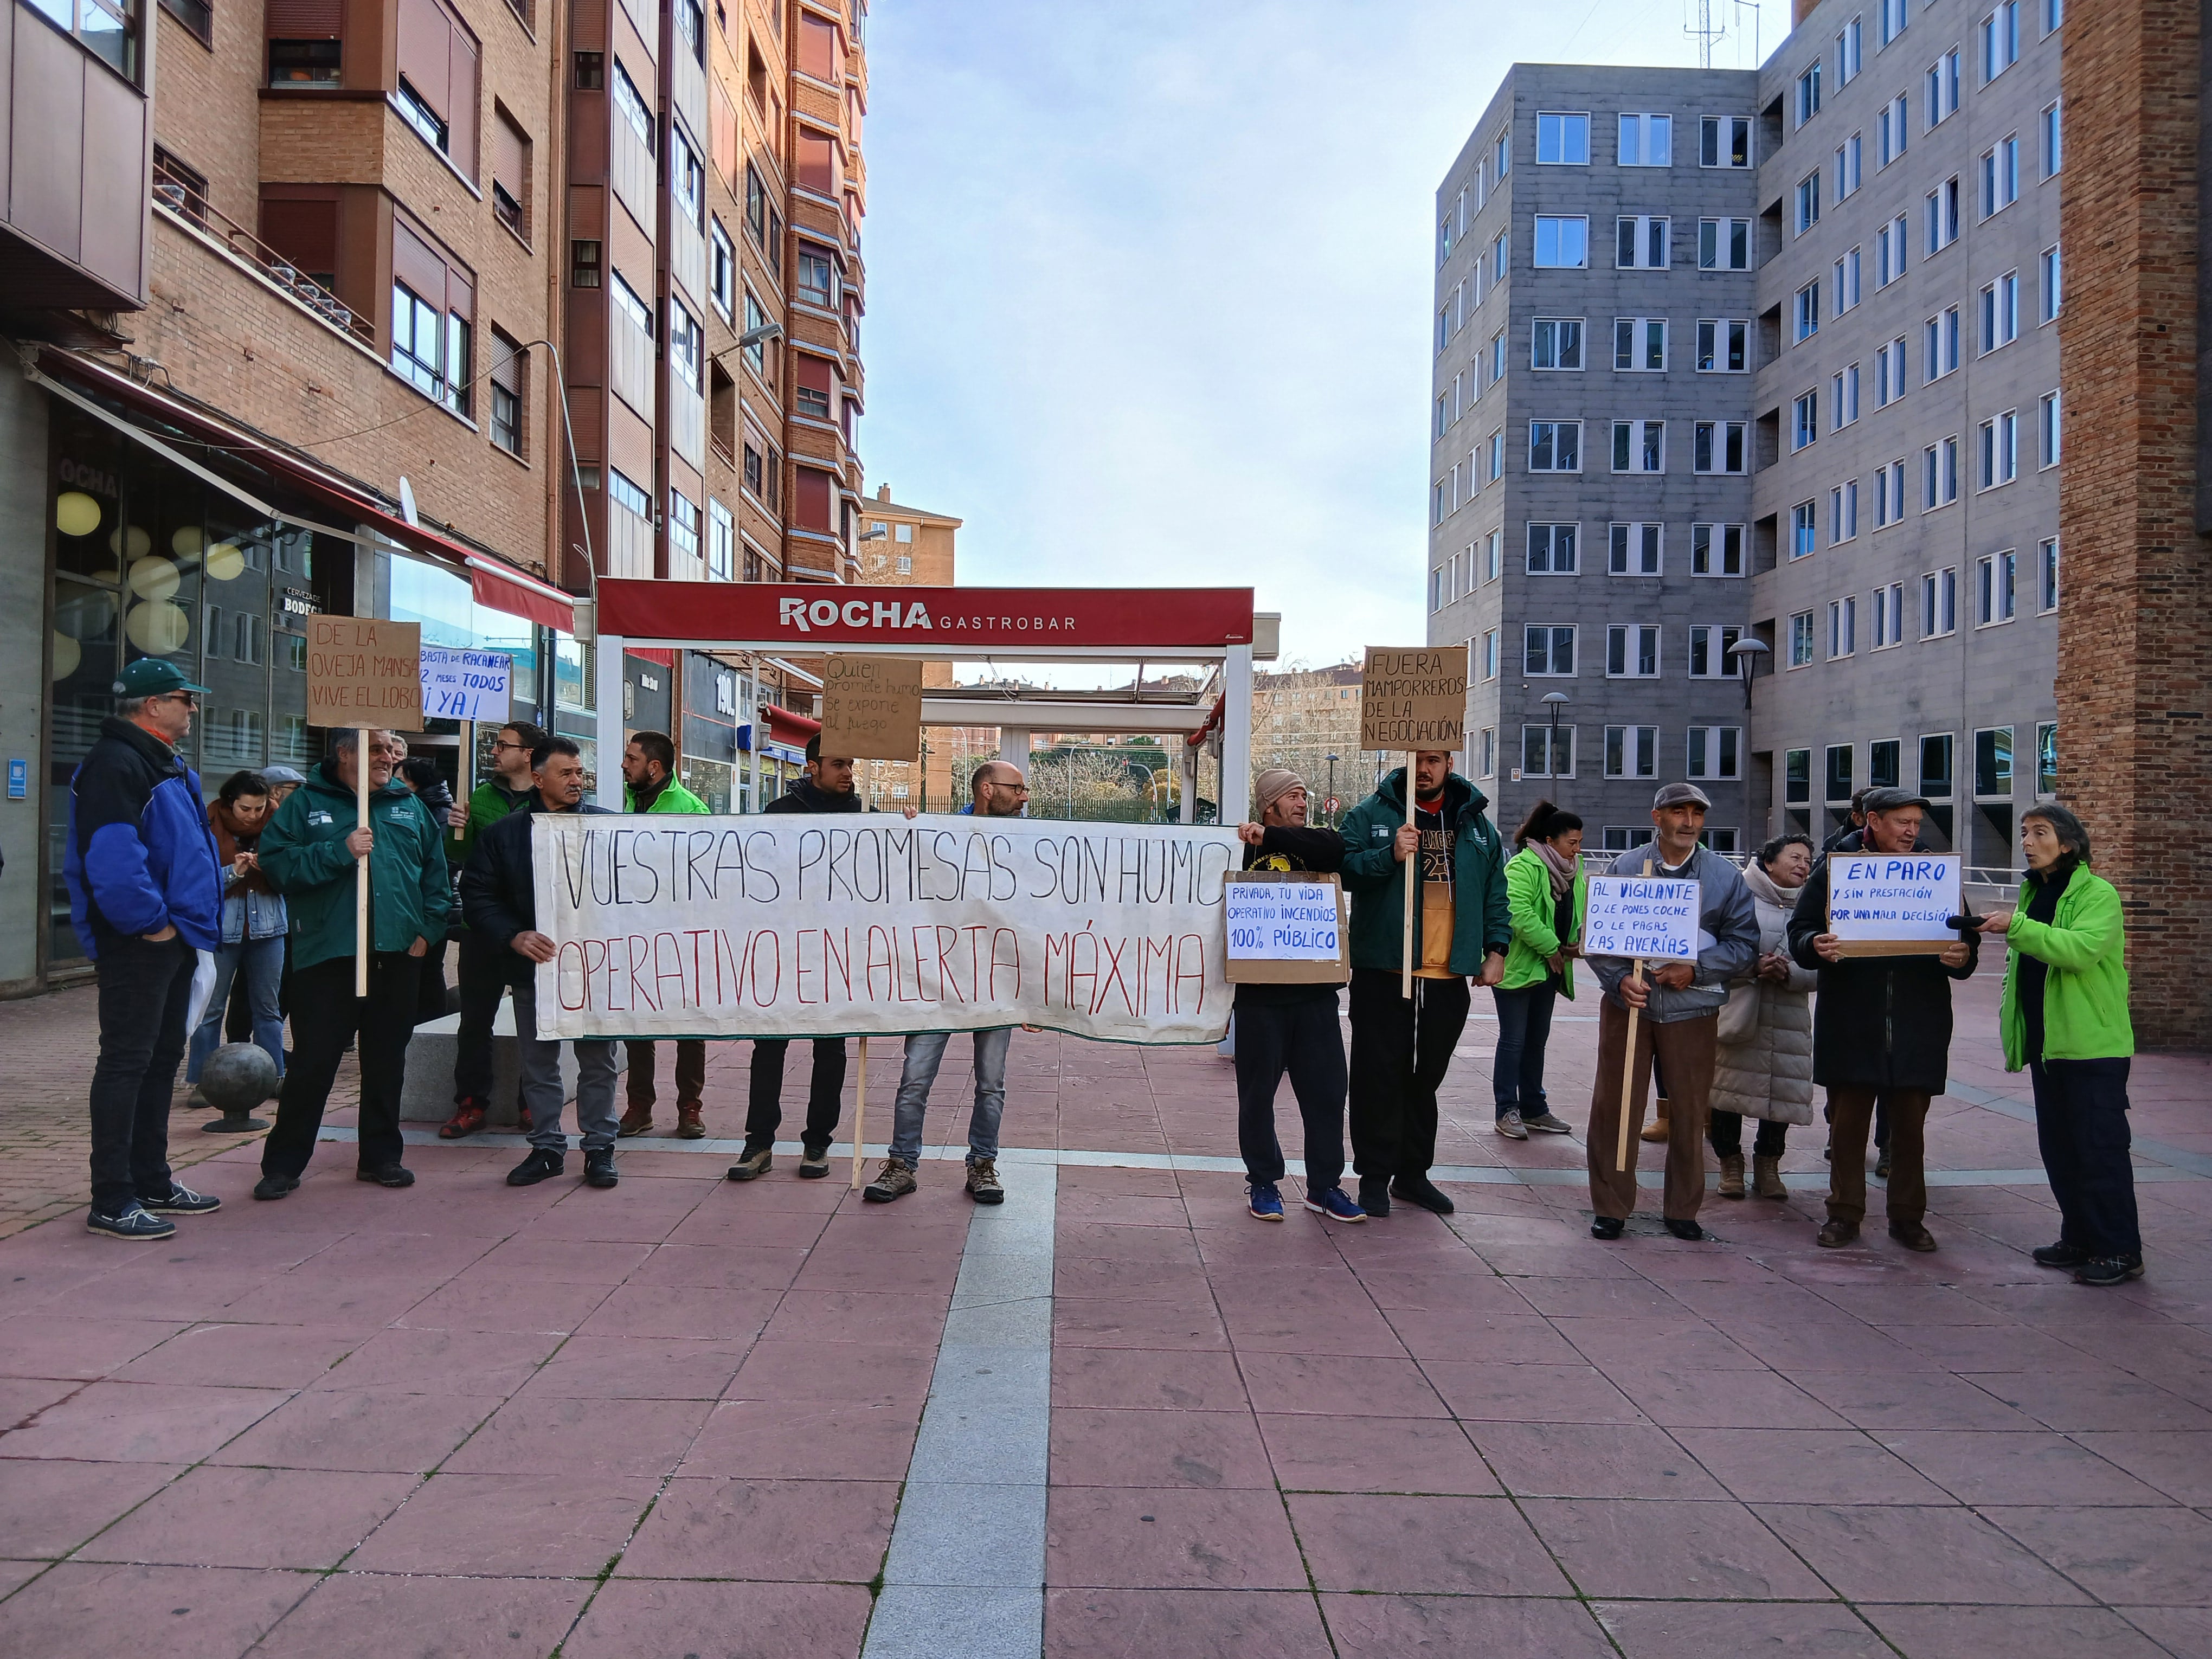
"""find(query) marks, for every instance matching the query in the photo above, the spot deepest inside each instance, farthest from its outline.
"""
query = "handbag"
(1738, 1016)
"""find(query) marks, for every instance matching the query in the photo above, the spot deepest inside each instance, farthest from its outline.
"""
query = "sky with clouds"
(1149, 281)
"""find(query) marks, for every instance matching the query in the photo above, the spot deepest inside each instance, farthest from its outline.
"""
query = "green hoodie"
(2085, 995)
(303, 854)
(673, 797)
(1536, 914)
(1376, 881)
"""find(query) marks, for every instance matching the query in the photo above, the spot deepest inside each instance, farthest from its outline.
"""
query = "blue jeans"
(924, 1053)
(263, 962)
(1525, 1026)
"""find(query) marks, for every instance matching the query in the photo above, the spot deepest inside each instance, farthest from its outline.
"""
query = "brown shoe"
(1732, 1176)
(1657, 1129)
(894, 1181)
(1912, 1236)
(690, 1125)
(468, 1117)
(1834, 1235)
(635, 1121)
(1766, 1177)
(983, 1181)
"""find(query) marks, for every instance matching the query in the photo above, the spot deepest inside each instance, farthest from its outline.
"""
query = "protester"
(253, 924)
(310, 852)
(997, 790)
(281, 781)
(482, 970)
(238, 1023)
(499, 895)
(145, 895)
(1846, 834)
(1882, 1032)
(420, 774)
(2064, 1017)
(649, 784)
(1545, 893)
(1679, 1004)
(1401, 1049)
(1764, 1065)
(1291, 1028)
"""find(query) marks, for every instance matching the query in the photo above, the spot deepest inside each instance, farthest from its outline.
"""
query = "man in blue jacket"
(145, 895)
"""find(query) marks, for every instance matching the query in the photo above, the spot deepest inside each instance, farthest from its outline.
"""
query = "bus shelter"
(1084, 625)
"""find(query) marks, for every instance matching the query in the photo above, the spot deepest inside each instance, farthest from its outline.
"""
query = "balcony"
(183, 199)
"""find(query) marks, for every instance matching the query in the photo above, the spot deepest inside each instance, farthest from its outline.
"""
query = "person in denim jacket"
(253, 923)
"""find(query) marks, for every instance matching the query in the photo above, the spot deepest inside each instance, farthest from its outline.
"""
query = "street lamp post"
(1747, 652)
(1554, 701)
(1332, 791)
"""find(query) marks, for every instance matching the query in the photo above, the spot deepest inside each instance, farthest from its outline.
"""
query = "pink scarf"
(1558, 866)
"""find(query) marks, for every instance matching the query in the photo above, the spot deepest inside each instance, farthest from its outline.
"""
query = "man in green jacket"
(309, 853)
(649, 786)
(1400, 1049)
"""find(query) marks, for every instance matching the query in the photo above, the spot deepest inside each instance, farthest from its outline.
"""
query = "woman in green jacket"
(2064, 1016)
(1544, 894)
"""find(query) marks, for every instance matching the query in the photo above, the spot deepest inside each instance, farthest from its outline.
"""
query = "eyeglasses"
(1018, 788)
(497, 746)
(189, 699)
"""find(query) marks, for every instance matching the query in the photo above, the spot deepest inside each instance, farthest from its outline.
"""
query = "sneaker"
(387, 1175)
(635, 1121)
(1834, 1235)
(1264, 1201)
(2061, 1255)
(1607, 1226)
(1912, 1236)
(543, 1163)
(468, 1117)
(1549, 1123)
(753, 1163)
(895, 1180)
(1374, 1197)
(1419, 1190)
(181, 1200)
(599, 1167)
(813, 1162)
(1509, 1124)
(983, 1181)
(273, 1186)
(2109, 1270)
(1334, 1203)
(1688, 1231)
(690, 1123)
(131, 1222)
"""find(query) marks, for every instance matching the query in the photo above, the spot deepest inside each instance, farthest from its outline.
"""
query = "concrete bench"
(429, 1094)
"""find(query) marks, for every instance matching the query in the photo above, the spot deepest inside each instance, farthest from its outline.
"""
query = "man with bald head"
(997, 790)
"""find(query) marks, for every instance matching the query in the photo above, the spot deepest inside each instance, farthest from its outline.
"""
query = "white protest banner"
(1286, 932)
(466, 685)
(826, 926)
(1893, 904)
(1646, 917)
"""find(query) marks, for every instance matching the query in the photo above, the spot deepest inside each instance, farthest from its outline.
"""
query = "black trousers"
(2082, 1125)
(1725, 1131)
(145, 991)
(324, 1014)
(824, 1094)
(430, 985)
(1393, 1084)
(1301, 1037)
(483, 973)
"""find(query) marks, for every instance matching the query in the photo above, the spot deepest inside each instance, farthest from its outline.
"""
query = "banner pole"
(861, 1116)
(1628, 1063)
(1412, 885)
(361, 865)
(465, 771)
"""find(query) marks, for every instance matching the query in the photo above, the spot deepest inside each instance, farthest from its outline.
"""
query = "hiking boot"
(131, 1223)
(1374, 1197)
(813, 1162)
(1509, 1124)
(983, 1181)
(753, 1163)
(690, 1121)
(2109, 1270)
(1548, 1123)
(1834, 1235)
(1912, 1236)
(895, 1180)
(1732, 1176)
(1334, 1203)
(635, 1121)
(1657, 1129)
(543, 1163)
(1607, 1226)
(1688, 1231)
(1882, 1165)
(386, 1174)
(599, 1167)
(1766, 1177)
(468, 1117)
(276, 1185)
(181, 1200)
(1419, 1190)
(2061, 1255)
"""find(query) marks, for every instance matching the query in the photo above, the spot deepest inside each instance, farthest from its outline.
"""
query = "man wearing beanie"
(1291, 1028)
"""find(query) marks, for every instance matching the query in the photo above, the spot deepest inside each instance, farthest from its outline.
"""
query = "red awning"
(788, 729)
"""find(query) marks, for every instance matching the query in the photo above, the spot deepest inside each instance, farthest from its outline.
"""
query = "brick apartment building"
(289, 283)
(1308, 720)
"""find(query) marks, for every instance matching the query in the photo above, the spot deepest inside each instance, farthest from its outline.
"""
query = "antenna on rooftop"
(1702, 29)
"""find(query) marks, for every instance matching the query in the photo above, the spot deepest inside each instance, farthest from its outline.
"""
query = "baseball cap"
(1892, 800)
(153, 677)
(1680, 794)
(273, 775)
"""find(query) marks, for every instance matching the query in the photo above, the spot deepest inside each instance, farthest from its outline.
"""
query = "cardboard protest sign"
(1412, 700)
(1285, 928)
(871, 708)
(1648, 917)
(361, 671)
(466, 685)
(1893, 904)
(764, 926)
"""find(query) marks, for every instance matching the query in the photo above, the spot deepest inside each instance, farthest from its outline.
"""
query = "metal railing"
(186, 200)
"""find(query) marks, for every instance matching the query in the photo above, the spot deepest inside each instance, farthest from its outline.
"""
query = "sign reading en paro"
(871, 708)
(1414, 699)
(1647, 916)
(361, 671)
(1893, 904)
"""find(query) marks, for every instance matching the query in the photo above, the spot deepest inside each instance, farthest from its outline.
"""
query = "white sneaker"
(1511, 1128)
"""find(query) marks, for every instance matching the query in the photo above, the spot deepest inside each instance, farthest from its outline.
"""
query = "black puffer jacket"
(499, 887)
(1878, 1022)
(804, 797)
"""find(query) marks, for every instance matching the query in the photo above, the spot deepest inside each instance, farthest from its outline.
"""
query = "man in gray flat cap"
(1680, 1003)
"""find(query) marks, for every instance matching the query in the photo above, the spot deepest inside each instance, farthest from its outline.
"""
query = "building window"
(1889, 252)
(1716, 549)
(721, 269)
(1942, 95)
(685, 342)
(1715, 753)
(1996, 577)
(1846, 281)
(1993, 761)
(1497, 356)
(2000, 41)
(181, 189)
(1724, 141)
(1942, 213)
(1888, 494)
(1634, 549)
(1889, 618)
(1647, 140)
(1939, 474)
(1939, 604)
(1842, 627)
(1888, 374)
(1936, 766)
(1720, 446)
(1844, 511)
(2046, 758)
(687, 179)
(508, 368)
(1641, 242)
(1632, 752)
(1808, 94)
(1493, 555)
(2001, 175)
(2049, 583)
(2054, 139)
(1890, 20)
(627, 496)
(1709, 644)
(1883, 767)
(585, 265)
(1940, 336)
(2048, 302)
(1844, 397)
(1807, 321)
(1800, 640)
(1809, 203)
(1631, 651)
(683, 525)
(1548, 650)
(1796, 777)
(1552, 549)
(317, 62)
(1724, 244)
(1557, 343)
(1804, 521)
(1485, 752)
(1999, 457)
(1805, 420)
(1850, 46)
(1723, 345)
(1562, 241)
(1546, 753)
(632, 106)
(1837, 783)
(721, 541)
(817, 281)
(430, 348)
(1889, 131)
(1490, 654)
(1562, 139)
(1496, 448)
(1639, 344)
(1555, 446)
(1639, 446)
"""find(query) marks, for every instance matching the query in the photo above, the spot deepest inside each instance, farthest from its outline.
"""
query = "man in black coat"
(1882, 1032)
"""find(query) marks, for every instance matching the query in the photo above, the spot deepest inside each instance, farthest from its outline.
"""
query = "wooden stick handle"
(1628, 1062)
(360, 869)
(859, 1115)
(1412, 889)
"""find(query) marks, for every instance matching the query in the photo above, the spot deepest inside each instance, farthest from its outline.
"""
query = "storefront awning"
(786, 728)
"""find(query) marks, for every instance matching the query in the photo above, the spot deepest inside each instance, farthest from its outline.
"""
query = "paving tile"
(1977, 1467)
(629, 1618)
(1386, 1626)
(1097, 1322)
(867, 1373)
(357, 1615)
(2094, 1400)
(1925, 1633)
(549, 1435)
(41, 1344)
(369, 1432)
(735, 1267)
(1519, 1393)
(1679, 1398)
(1343, 1324)
(1110, 1624)
(798, 1439)
(1808, 1465)
(22, 1398)
(2184, 1632)
(2177, 1462)
(482, 1303)
(240, 1518)
(2142, 1556)
(1458, 1546)
(569, 1525)
(474, 1364)
(529, 1258)
(1207, 1450)
(1339, 1385)
(142, 1422)
(1512, 1339)
(1591, 1459)
(1474, 1291)
(50, 1505)
(635, 1368)
(1146, 1378)
(815, 1531)
(1910, 1399)
(1869, 1551)
(94, 1610)
(1696, 1629)
(245, 1356)
(329, 1296)
(899, 1318)
(953, 1535)
(1714, 1550)
(1316, 1453)
(685, 1311)
(1165, 1539)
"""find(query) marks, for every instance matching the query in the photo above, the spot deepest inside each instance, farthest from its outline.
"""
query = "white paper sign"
(1282, 921)
(1903, 895)
(847, 926)
(466, 685)
(1647, 916)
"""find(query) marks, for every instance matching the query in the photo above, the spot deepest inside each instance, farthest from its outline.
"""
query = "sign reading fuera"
(1413, 700)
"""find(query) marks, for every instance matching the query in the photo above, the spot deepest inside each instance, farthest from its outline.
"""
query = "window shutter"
(506, 364)
(813, 373)
(414, 264)
(460, 111)
(817, 161)
(305, 232)
(818, 49)
(811, 495)
(426, 51)
(509, 157)
(304, 20)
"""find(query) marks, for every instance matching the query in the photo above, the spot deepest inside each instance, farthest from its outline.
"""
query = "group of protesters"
(263, 880)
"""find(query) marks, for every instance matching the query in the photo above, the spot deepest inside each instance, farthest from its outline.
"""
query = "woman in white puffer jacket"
(1764, 1065)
